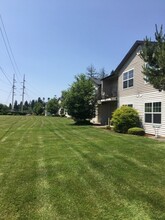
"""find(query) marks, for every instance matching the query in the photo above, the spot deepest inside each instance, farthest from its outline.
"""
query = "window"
(128, 79)
(129, 105)
(153, 112)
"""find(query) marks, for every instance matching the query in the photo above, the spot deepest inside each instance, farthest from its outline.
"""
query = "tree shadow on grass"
(81, 123)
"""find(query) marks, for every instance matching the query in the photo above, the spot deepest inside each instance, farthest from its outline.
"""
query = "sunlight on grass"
(52, 169)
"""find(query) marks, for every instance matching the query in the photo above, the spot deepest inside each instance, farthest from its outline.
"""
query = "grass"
(52, 169)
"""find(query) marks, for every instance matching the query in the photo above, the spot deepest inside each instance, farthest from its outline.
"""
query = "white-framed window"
(128, 79)
(153, 112)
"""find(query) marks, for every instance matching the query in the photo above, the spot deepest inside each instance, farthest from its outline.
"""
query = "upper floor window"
(128, 79)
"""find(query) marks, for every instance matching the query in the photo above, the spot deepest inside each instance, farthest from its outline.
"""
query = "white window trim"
(125, 80)
(152, 113)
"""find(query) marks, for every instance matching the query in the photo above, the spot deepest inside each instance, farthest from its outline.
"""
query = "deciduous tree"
(80, 99)
(53, 106)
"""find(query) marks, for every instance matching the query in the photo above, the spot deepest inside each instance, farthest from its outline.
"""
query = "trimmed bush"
(136, 131)
(124, 118)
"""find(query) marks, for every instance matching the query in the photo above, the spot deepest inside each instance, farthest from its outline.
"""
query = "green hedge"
(136, 131)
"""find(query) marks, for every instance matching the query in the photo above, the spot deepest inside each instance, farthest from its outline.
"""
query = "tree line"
(80, 98)
(37, 107)
(52, 106)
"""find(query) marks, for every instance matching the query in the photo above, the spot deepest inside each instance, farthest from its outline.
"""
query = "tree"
(26, 106)
(80, 99)
(53, 106)
(16, 106)
(63, 98)
(91, 71)
(38, 108)
(102, 73)
(153, 54)
(32, 104)
(10, 106)
(40, 100)
(4, 109)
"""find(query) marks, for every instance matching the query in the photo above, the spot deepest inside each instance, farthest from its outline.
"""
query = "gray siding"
(139, 104)
(140, 86)
(140, 93)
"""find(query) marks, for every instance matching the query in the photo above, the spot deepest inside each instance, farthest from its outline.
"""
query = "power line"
(9, 45)
(7, 83)
(8, 97)
(5, 75)
(3, 90)
(34, 90)
(8, 48)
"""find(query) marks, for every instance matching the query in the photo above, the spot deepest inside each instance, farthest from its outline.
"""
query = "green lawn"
(52, 169)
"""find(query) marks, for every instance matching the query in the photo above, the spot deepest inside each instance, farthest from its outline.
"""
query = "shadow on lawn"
(81, 123)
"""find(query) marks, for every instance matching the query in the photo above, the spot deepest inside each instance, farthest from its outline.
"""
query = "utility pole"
(13, 92)
(23, 93)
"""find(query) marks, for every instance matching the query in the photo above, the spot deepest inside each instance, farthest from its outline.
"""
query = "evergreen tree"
(102, 73)
(26, 106)
(40, 100)
(153, 54)
(16, 106)
(91, 72)
(32, 104)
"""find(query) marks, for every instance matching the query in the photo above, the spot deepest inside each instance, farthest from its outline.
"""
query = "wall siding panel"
(140, 93)
(139, 101)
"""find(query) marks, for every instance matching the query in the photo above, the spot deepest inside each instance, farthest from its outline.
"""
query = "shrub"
(136, 131)
(124, 118)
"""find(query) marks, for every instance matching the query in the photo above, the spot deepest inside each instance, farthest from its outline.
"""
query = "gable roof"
(128, 55)
(125, 59)
(96, 81)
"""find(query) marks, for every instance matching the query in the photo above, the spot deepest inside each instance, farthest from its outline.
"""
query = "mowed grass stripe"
(18, 173)
(69, 182)
(52, 169)
(44, 207)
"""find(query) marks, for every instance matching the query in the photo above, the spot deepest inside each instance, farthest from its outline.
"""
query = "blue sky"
(54, 40)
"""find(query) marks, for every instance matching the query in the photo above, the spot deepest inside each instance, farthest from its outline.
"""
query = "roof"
(125, 59)
(128, 55)
(96, 81)
(112, 75)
